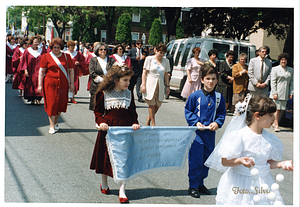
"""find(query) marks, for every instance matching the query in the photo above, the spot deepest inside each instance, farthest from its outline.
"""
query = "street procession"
(151, 105)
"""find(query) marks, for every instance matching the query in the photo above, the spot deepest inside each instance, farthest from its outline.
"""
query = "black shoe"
(141, 100)
(194, 192)
(204, 190)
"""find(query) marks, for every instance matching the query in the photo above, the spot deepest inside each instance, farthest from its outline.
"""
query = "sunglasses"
(102, 49)
(139, 43)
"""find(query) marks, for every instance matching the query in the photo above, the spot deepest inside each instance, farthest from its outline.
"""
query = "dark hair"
(32, 39)
(115, 73)
(212, 52)
(207, 70)
(259, 103)
(116, 48)
(58, 41)
(10, 38)
(229, 52)
(161, 48)
(283, 55)
(196, 49)
(97, 47)
(139, 41)
(23, 41)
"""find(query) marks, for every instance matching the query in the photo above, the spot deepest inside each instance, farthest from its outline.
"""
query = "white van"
(181, 50)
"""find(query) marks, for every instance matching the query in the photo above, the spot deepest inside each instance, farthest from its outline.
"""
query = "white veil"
(237, 123)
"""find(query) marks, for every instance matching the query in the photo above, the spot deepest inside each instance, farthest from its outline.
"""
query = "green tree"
(179, 30)
(155, 36)
(123, 33)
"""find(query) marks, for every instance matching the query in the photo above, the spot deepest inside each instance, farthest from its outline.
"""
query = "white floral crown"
(241, 107)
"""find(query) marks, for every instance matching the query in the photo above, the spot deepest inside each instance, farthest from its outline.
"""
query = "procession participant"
(30, 65)
(119, 56)
(204, 108)
(56, 77)
(10, 49)
(89, 53)
(78, 65)
(247, 150)
(19, 76)
(154, 77)
(114, 107)
(98, 67)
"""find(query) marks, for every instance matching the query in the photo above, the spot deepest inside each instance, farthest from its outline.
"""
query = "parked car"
(181, 50)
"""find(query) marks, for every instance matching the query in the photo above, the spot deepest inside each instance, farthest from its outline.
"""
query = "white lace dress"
(236, 185)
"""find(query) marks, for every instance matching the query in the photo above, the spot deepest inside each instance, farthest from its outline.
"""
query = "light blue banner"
(149, 149)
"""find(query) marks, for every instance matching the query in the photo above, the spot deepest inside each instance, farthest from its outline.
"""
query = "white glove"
(98, 79)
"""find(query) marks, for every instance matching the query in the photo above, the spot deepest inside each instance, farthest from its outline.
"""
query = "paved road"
(44, 168)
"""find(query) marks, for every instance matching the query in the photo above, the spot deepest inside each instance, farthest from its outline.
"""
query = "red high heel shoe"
(73, 101)
(123, 200)
(104, 191)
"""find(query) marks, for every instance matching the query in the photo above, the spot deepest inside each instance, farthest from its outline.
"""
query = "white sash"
(103, 64)
(119, 58)
(35, 53)
(60, 65)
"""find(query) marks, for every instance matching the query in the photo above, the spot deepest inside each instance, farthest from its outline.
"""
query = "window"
(242, 49)
(178, 54)
(185, 55)
(162, 17)
(103, 35)
(135, 35)
(169, 48)
(174, 49)
(136, 16)
(222, 49)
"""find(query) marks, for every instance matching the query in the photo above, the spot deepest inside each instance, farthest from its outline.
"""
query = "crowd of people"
(52, 72)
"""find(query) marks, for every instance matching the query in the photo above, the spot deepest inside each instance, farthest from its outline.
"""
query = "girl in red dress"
(78, 64)
(30, 65)
(114, 107)
(55, 81)
(19, 76)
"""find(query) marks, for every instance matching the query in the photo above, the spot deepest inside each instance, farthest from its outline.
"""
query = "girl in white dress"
(246, 153)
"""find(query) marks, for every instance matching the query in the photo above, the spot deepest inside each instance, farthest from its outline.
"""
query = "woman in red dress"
(120, 57)
(10, 49)
(30, 65)
(19, 76)
(78, 64)
(56, 81)
(114, 107)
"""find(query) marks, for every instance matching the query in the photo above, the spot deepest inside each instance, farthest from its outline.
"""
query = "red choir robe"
(55, 84)
(124, 59)
(19, 76)
(77, 56)
(87, 62)
(31, 61)
(10, 49)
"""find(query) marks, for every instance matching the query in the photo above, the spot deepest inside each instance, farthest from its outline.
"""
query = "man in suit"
(259, 73)
(137, 56)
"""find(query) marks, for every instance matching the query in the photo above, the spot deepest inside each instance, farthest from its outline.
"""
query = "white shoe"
(56, 127)
(51, 131)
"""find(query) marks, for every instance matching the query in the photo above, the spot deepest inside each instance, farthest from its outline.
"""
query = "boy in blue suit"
(205, 109)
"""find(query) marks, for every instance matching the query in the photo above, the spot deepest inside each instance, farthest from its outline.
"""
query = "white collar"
(11, 46)
(35, 53)
(73, 54)
(21, 49)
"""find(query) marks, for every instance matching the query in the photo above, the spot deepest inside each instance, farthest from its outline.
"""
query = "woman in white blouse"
(154, 78)
(281, 86)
